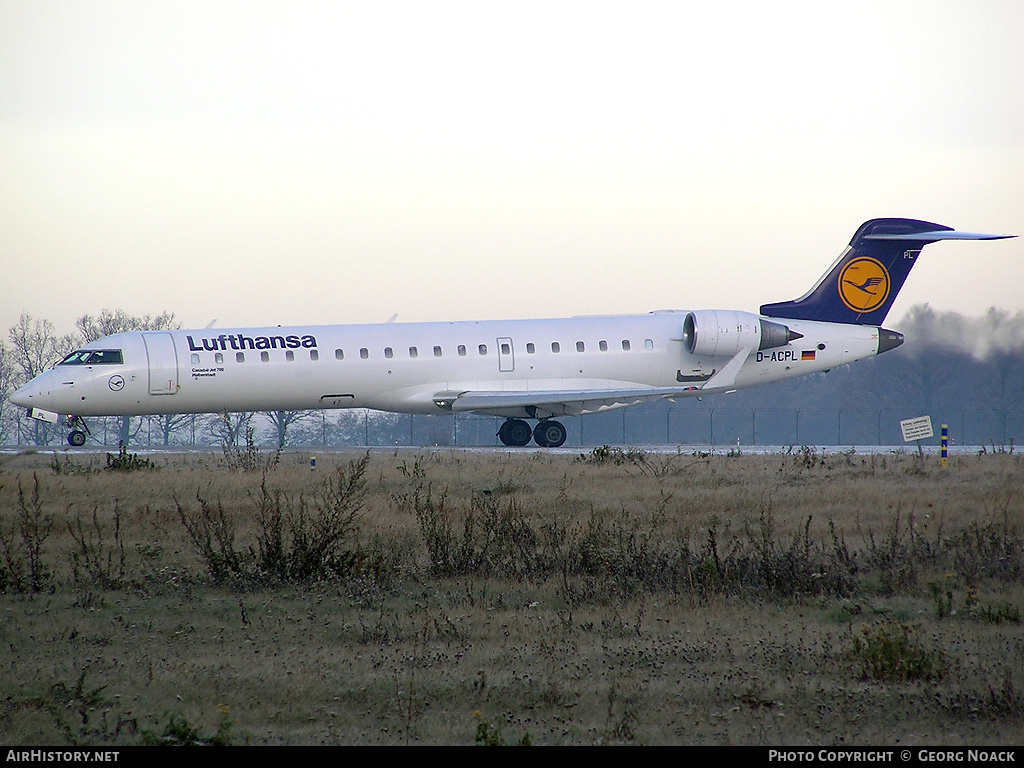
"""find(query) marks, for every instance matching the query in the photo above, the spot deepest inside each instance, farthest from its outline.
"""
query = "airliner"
(523, 370)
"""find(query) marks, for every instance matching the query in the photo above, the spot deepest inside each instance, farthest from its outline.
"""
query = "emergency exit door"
(506, 355)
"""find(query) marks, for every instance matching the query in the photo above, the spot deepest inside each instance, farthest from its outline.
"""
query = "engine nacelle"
(724, 332)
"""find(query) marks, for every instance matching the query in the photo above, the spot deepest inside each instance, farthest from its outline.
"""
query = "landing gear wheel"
(514, 432)
(549, 434)
(79, 430)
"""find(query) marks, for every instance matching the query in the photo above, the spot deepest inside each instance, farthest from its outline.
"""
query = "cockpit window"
(105, 356)
(93, 357)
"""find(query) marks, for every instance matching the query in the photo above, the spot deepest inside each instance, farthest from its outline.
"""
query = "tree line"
(950, 364)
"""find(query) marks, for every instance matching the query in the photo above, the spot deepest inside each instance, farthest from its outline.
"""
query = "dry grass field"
(454, 597)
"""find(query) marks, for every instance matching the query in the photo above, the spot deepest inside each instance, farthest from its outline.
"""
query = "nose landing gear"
(79, 431)
(516, 432)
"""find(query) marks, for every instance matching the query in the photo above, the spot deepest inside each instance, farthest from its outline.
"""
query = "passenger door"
(163, 363)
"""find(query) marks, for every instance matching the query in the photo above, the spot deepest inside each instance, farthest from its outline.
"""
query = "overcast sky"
(304, 162)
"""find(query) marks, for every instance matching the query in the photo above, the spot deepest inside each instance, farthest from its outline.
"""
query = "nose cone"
(23, 395)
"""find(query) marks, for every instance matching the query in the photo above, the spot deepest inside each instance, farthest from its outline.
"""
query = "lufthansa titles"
(226, 341)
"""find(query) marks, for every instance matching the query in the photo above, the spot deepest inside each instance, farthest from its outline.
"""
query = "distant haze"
(993, 333)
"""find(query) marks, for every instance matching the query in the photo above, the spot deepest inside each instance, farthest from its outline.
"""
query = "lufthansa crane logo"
(864, 284)
(116, 383)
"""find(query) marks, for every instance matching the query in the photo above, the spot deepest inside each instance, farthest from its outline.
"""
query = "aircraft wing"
(563, 402)
(573, 402)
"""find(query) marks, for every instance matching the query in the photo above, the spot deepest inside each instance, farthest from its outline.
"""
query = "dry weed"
(454, 596)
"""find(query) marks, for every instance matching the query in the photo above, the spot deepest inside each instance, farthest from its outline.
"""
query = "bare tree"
(118, 321)
(169, 423)
(35, 346)
(230, 429)
(282, 420)
(8, 383)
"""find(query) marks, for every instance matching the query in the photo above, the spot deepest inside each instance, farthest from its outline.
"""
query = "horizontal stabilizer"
(933, 237)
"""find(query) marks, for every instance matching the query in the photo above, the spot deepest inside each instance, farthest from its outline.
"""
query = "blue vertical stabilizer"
(863, 283)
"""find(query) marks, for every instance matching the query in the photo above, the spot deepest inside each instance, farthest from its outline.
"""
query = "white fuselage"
(404, 367)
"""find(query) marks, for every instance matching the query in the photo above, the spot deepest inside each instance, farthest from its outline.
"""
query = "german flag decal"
(807, 354)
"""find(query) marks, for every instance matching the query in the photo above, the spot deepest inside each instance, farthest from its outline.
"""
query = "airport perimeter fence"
(638, 426)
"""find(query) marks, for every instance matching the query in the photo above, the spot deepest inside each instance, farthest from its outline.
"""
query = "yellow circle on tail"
(863, 284)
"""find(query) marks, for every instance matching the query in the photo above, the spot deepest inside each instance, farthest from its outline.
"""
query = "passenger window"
(530, 349)
(462, 350)
(364, 353)
(289, 355)
(265, 357)
(555, 347)
(482, 349)
(505, 348)
(602, 345)
(648, 344)
(195, 359)
(339, 354)
(389, 352)
(219, 358)
(239, 357)
(625, 345)
(413, 352)
(579, 346)
(314, 355)
(437, 351)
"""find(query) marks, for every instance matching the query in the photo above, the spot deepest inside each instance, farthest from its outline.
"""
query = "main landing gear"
(547, 434)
